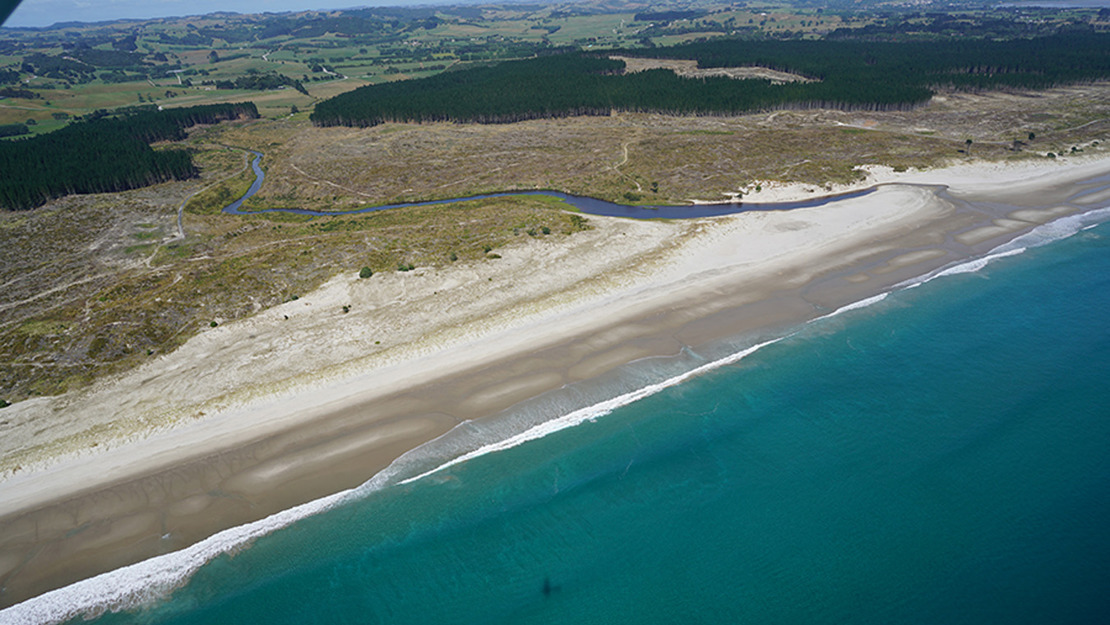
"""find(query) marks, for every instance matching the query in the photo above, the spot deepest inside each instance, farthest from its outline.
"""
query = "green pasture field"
(585, 27)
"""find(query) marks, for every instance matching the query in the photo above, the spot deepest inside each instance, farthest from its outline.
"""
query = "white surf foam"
(978, 264)
(590, 413)
(1058, 229)
(150, 580)
(1043, 234)
(601, 409)
(863, 303)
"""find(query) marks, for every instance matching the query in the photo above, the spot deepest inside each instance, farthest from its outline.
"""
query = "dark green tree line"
(846, 74)
(107, 154)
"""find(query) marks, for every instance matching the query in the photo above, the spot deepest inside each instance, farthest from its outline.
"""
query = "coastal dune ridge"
(701, 284)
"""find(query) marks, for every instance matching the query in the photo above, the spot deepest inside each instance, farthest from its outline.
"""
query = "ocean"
(937, 455)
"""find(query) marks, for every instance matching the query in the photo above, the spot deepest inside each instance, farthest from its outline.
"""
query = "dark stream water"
(588, 205)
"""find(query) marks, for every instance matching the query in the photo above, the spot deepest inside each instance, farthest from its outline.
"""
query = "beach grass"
(164, 291)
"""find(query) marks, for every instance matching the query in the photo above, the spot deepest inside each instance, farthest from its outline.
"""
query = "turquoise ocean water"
(939, 456)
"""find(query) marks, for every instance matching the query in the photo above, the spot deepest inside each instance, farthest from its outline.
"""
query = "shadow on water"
(548, 588)
(588, 205)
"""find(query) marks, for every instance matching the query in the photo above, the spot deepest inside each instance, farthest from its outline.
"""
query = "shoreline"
(712, 280)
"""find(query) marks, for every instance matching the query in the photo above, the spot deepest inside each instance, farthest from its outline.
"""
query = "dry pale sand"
(304, 400)
(969, 177)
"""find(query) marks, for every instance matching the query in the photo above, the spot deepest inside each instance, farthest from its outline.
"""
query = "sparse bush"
(365, 272)
(578, 223)
(405, 266)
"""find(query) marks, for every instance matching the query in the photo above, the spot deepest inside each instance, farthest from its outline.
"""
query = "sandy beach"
(307, 399)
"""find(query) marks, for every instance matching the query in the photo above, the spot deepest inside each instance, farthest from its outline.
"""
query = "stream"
(587, 205)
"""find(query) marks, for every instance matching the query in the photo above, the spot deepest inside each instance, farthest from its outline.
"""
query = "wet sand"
(694, 285)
